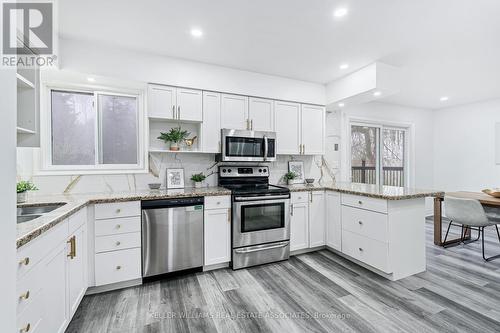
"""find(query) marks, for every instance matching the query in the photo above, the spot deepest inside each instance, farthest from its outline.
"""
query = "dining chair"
(469, 214)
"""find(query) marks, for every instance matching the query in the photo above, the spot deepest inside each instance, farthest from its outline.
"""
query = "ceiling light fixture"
(90, 79)
(195, 32)
(340, 12)
(344, 66)
(377, 93)
(444, 98)
(341, 105)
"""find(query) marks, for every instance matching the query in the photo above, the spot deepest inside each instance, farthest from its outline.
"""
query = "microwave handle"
(266, 147)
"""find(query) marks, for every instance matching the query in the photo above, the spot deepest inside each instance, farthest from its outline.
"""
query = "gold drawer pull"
(24, 261)
(118, 211)
(360, 222)
(118, 243)
(72, 247)
(360, 249)
(218, 202)
(118, 267)
(26, 328)
(26, 295)
(360, 202)
(118, 226)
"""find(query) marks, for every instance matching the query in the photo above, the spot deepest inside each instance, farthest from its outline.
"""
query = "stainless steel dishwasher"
(172, 235)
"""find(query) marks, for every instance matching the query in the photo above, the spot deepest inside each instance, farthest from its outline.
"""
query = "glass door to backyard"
(378, 155)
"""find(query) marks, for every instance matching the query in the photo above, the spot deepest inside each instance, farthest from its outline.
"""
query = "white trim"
(44, 165)
(381, 123)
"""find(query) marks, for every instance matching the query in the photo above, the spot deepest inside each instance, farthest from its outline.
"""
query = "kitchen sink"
(26, 218)
(33, 210)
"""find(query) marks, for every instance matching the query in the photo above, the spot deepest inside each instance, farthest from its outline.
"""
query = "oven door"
(257, 220)
(248, 146)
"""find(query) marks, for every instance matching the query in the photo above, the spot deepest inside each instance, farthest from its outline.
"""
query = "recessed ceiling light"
(444, 98)
(340, 12)
(195, 32)
(377, 93)
(90, 79)
(341, 105)
(344, 66)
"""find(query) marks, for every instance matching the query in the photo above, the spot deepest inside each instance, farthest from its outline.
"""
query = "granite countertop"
(28, 231)
(367, 190)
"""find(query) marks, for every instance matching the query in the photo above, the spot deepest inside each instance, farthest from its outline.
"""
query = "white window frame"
(47, 168)
(409, 163)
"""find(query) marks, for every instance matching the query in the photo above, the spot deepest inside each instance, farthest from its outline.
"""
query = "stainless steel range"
(260, 216)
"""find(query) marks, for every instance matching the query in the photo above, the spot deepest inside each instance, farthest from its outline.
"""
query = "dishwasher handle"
(172, 203)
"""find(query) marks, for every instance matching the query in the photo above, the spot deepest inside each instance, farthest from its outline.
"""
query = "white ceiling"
(445, 47)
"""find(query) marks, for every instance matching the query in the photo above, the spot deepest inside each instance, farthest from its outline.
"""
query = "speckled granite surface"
(372, 191)
(28, 231)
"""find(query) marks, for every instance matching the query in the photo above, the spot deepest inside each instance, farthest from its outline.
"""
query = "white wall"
(102, 60)
(8, 232)
(464, 153)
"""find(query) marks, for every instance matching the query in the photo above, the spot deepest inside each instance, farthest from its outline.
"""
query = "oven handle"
(266, 148)
(262, 248)
(269, 197)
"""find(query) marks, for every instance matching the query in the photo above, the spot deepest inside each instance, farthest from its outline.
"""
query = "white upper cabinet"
(313, 130)
(261, 114)
(162, 102)
(317, 218)
(173, 103)
(234, 112)
(210, 128)
(189, 105)
(287, 125)
(333, 220)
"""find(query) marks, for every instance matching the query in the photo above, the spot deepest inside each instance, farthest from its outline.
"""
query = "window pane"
(393, 157)
(364, 154)
(73, 128)
(118, 129)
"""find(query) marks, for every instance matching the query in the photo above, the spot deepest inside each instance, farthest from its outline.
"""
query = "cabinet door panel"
(299, 227)
(77, 270)
(333, 220)
(287, 124)
(217, 236)
(210, 128)
(162, 102)
(317, 219)
(234, 112)
(189, 104)
(261, 114)
(313, 129)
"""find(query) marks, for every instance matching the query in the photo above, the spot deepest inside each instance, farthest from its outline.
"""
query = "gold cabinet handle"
(118, 267)
(179, 112)
(118, 226)
(173, 111)
(118, 211)
(251, 124)
(24, 261)
(360, 202)
(118, 243)
(25, 295)
(72, 244)
(26, 328)
(291, 209)
(311, 196)
(303, 149)
(229, 216)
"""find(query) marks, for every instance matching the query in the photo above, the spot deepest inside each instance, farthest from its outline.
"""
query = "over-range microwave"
(247, 146)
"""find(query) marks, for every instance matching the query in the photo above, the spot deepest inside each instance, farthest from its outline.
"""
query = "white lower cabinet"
(77, 268)
(317, 226)
(299, 226)
(117, 266)
(217, 233)
(333, 220)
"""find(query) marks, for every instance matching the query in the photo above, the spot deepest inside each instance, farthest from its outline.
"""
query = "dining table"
(489, 203)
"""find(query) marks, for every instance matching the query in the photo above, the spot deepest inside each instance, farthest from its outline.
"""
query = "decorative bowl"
(154, 186)
(495, 192)
(309, 180)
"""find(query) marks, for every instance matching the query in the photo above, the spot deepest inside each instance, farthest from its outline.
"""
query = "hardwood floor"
(314, 292)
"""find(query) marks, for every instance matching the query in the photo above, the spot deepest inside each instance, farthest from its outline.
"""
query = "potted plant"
(198, 179)
(22, 190)
(174, 136)
(289, 177)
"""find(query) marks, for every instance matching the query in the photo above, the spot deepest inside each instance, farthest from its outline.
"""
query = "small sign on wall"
(497, 143)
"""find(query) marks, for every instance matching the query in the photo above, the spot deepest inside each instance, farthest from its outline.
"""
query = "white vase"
(198, 184)
(174, 146)
(290, 181)
(21, 197)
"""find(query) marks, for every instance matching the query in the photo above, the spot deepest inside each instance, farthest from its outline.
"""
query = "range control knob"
(229, 170)
(260, 170)
(264, 170)
(224, 170)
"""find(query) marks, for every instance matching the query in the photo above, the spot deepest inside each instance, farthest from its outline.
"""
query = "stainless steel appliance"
(172, 235)
(260, 216)
(248, 146)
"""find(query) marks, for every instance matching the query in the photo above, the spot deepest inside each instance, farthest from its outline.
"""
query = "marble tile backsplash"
(158, 163)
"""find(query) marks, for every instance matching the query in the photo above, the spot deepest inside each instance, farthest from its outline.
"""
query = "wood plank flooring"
(314, 292)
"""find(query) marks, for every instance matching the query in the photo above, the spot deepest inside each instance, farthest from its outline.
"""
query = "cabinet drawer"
(28, 288)
(29, 255)
(117, 266)
(366, 223)
(367, 250)
(117, 226)
(117, 242)
(217, 202)
(300, 197)
(30, 319)
(377, 205)
(117, 209)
